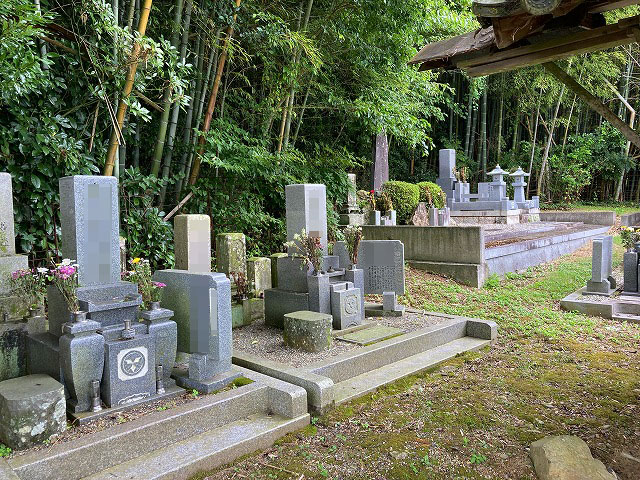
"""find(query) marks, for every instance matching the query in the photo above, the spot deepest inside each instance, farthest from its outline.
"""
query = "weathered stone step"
(206, 451)
(367, 382)
(626, 317)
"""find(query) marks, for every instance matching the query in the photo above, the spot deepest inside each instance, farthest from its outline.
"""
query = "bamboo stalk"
(212, 100)
(128, 87)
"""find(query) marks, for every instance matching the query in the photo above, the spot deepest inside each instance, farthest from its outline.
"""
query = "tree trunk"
(534, 139)
(500, 114)
(304, 106)
(483, 134)
(467, 136)
(116, 134)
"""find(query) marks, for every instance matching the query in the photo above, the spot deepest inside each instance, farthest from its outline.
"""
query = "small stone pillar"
(259, 274)
(274, 267)
(319, 294)
(231, 253)
(165, 331)
(518, 186)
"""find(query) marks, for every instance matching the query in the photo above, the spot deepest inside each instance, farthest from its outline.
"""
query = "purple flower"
(158, 284)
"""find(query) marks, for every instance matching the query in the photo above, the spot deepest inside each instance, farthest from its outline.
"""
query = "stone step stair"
(626, 317)
(357, 386)
(206, 451)
(223, 425)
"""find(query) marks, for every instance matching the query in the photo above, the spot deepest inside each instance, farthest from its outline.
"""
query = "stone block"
(352, 219)
(383, 265)
(231, 253)
(346, 305)
(307, 210)
(566, 457)
(129, 371)
(446, 163)
(192, 237)
(165, 334)
(630, 267)
(330, 263)
(274, 267)
(356, 276)
(32, 410)
(319, 293)
(292, 274)
(484, 329)
(13, 355)
(374, 217)
(308, 331)
(90, 220)
(259, 274)
(279, 302)
(420, 216)
(7, 232)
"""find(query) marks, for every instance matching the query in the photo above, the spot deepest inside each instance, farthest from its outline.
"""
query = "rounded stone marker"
(308, 331)
(32, 409)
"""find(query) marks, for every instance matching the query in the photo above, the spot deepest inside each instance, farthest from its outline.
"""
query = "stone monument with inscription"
(380, 165)
(382, 264)
(351, 214)
(110, 357)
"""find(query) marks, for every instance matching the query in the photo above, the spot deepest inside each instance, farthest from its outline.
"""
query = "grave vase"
(319, 295)
(356, 276)
(82, 361)
(165, 338)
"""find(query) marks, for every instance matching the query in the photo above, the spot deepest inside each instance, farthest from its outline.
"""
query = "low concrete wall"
(434, 244)
(630, 220)
(457, 252)
(592, 218)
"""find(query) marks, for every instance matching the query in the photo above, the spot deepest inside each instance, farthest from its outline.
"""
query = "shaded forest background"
(299, 89)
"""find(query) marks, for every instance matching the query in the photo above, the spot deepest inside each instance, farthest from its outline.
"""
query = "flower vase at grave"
(165, 330)
(78, 317)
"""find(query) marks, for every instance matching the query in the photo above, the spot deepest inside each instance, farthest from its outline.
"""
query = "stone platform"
(177, 443)
(355, 371)
(618, 306)
(469, 254)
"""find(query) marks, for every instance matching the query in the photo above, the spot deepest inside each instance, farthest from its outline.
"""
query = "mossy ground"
(551, 372)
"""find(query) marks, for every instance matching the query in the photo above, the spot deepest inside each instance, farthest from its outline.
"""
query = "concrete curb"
(321, 380)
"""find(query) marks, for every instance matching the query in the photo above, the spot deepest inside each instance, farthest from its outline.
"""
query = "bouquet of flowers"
(30, 285)
(65, 277)
(353, 236)
(308, 248)
(140, 273)
(156, 291)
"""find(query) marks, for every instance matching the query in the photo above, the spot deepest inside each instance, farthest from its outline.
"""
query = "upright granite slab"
(602, 281)
(380, 165)
(201, 303)
(231, 253)
(259, 274)
(192, 237)
(307, 210)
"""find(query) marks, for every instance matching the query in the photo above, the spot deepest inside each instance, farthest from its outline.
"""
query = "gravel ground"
(522, 227)
(264, 341)
(619, 276)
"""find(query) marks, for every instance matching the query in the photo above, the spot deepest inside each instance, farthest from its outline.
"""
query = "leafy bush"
(432, 194)
(147, 234)
(405, 197)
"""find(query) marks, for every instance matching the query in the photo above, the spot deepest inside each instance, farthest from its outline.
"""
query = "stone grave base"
(355, 372)
(372, 309)
(208, 385)
(177, 443)
(82, 418)
(507, 217)
(623, 307)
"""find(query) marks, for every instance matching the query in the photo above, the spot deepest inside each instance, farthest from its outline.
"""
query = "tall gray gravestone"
(306, 206)
(380, 166)
(446, 166)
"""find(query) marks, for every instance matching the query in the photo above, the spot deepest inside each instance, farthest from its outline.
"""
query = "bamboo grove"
(227, 101)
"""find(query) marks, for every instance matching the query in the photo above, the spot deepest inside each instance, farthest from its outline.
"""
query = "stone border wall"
(630, 220)
(607, 218)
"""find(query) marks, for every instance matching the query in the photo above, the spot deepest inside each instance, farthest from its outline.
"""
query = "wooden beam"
(622, 37)
(552, 41)
(607, 6)
(593, 102)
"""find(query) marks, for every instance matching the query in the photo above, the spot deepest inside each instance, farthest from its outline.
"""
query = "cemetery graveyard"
(240, 357)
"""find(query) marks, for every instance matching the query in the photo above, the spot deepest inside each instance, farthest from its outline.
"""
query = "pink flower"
(159, 284)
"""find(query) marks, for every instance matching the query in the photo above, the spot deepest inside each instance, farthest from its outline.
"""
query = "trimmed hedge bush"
(405, 197)
(435, 192)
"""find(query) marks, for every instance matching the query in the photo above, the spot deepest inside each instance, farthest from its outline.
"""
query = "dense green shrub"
(405, 197)
(432, 194)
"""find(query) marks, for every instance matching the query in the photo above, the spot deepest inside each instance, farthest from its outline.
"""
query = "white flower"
(43, 270)
(66, 262)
